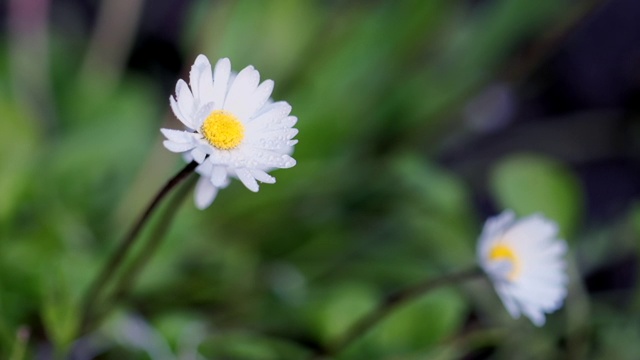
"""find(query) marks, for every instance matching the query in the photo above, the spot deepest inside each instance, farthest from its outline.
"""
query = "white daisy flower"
(234, 129)
(525, 261)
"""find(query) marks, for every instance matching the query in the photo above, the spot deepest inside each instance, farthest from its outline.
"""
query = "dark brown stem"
(392, 303)
(119, 255)
(135, 267)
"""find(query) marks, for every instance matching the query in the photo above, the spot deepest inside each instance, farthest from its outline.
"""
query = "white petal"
(178, 136)
(273, 145)
(177, 147)
(218, 175)
(262, 176)
(285, 149)
(273, 119)
(204, 193)
(256, 100)
(221, 74)
(226, 182)
(204, 169)
(199, 154)
(186, 120)
(247, 179)
(273, 140)
(282, 134)
(201, 80)
(534, 314)
(185, 99)
(558, 249)
(270, 105)
(270, 158)
(287, 133)
(500, 223)
(289, 121)
(508, 301)
(240, 92)
(531, 230)
(203, 113)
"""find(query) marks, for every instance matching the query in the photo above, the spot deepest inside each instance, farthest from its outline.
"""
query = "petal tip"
(201, 59)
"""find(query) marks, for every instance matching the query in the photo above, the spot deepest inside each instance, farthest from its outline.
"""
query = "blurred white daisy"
(234, 129)
(525, 261)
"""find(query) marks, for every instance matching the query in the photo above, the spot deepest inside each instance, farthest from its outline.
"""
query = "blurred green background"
(418, 120)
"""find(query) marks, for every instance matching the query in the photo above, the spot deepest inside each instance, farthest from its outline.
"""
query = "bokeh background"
(418, 120)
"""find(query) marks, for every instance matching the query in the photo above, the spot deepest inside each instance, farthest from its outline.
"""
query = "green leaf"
(438, 210)
(437, 190)
(59, 308)
(533, 183)
(18, 149)
(342, 307)
(421, 323)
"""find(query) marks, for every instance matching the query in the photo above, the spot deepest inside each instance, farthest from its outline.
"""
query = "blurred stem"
(471, 340)
(110, 43)
(393, 302)
(29, 58)
(578, 314)
(522, 67)
(119, 255)
(130, 274)
(20, 346)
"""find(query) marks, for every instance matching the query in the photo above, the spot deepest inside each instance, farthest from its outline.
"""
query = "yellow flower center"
(222, 130)
(502, 252)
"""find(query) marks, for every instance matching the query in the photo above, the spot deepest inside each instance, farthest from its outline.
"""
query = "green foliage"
(422, 324)
(19, 139)
(438, 210)
(530, 183)
(341, 307)
(60, 311)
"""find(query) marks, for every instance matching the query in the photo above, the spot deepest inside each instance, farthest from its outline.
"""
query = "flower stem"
(119, 255)
(134, 268)
(392, 303)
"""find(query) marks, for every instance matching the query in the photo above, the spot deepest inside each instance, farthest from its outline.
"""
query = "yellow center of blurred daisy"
(502, 252)
(222, 130)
